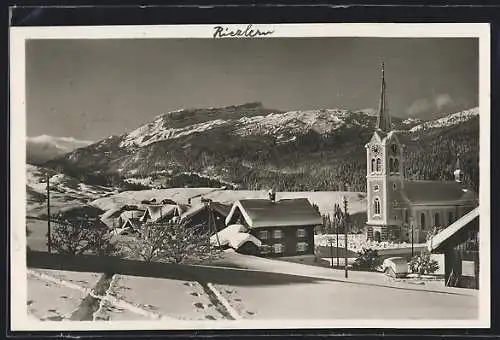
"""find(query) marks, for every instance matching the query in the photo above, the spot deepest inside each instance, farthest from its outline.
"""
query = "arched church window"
(406, 216)
(436, 219)
(372, 169)
(422, 221)
(391, 164)
(376, 204)
(396, 165)
(450, 217)
(379, 165)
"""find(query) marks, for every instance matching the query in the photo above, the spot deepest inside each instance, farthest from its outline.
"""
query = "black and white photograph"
(250, 176)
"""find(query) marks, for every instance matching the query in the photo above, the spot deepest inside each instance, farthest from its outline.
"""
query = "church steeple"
(383, 119)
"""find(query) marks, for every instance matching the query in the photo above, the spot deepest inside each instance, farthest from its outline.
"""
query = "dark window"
(450, 217)
(436, 219)
(377, 206)
(396, 165)
(373, 165)
(406, 215)
(379, 165)
(422, 221)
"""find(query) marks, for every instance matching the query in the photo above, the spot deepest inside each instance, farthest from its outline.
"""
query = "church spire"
(383, 119)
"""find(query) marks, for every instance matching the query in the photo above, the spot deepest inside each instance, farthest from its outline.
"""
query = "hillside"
(42, 148)
(65, 192)
(251, 147)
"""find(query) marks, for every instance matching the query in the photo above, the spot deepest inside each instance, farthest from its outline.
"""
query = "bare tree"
(172, 242)
(79, 236)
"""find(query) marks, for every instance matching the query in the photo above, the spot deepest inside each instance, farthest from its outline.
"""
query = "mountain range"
(42, 148)
(252, 147)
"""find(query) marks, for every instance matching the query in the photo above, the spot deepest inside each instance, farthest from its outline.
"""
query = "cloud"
(42, 148)
(419, 106)
(425, 106)
(443, 100)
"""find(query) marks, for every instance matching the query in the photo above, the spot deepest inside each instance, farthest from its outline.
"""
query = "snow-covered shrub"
(367, 259)
(423, 264)
(80, 236)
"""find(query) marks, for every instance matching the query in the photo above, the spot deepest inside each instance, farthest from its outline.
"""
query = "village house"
(283, 228)
(460, 245)
(202, 214)
(400, 209)
(162, 212)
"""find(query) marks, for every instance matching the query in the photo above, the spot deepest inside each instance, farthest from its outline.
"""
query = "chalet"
(284, 227)
(459, 243)
(162, 212)
(202, 214)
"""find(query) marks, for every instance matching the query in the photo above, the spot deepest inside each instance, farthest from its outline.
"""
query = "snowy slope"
(65, 191)
(292, 122)
(452, 119)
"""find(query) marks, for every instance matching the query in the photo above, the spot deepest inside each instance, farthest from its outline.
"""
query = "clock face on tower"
(376, 149)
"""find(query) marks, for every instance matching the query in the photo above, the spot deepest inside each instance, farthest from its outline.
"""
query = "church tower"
(384, 174)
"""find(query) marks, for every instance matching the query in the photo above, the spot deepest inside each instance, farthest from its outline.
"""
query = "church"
(399, 209)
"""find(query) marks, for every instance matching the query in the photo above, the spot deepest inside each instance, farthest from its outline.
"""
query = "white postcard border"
(18, 36)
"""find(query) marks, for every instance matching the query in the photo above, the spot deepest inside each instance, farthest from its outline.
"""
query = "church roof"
(422, 192)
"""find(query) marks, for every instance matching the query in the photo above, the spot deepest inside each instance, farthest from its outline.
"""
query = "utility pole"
(412, 239)
(336, 221)
(208, 204)
(411, 228)
(49, 240)
(345, 232)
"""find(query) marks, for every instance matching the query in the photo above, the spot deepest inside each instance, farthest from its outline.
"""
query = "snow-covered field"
(179, 195)
(183, 300)
(48, 300)
(336, 300)
(65, 191)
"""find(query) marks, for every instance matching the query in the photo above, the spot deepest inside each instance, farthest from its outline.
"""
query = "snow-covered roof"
(193, 210)
(156, 212)
(197, 208)
(265, 213)
(421, 192)
(451, 230)
(128, 214)
(234, 237)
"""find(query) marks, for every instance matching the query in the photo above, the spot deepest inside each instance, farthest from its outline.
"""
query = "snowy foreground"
(254, 288)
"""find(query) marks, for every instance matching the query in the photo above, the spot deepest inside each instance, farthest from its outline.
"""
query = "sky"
(91, 89)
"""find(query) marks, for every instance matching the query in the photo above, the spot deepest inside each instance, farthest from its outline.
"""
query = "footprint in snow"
(238, 300)
(250, 313)
(199, 305)
(210, 317)
(195, 294)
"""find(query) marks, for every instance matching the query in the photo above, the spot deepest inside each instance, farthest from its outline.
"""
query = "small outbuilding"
(459, 243)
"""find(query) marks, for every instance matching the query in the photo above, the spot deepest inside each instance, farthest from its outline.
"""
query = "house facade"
(460, 245)
(284, 227)
(399, 209)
